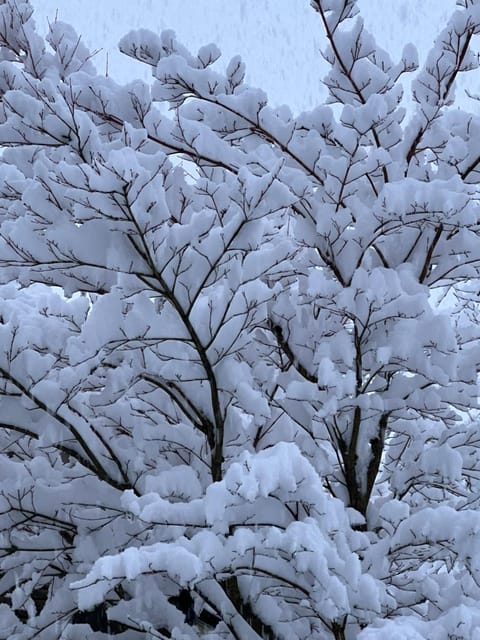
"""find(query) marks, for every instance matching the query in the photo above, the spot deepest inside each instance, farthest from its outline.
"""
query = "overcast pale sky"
(278, 39)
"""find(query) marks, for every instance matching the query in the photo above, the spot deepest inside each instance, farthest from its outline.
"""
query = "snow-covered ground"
(280, 40)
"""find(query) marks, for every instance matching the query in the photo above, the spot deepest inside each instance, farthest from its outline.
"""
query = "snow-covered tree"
(238, 347)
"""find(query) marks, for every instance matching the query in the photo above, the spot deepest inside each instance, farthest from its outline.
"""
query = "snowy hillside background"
(278, 39)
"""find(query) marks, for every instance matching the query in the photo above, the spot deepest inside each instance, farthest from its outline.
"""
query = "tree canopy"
(238, 346)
